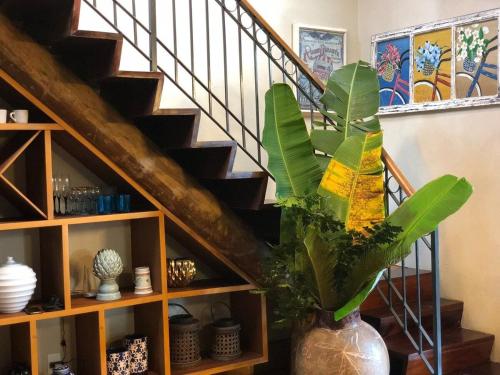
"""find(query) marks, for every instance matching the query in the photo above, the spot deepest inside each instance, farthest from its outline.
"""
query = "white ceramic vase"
(17, 285)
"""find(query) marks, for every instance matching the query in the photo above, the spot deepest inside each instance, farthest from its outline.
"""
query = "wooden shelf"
(211, 366)
(79, 304)
(206, 287)
(30, 127)
(91, 219)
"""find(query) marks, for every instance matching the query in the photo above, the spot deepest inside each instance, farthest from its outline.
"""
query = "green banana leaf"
(323, 259)
(352, 93)
(418, 215)
(287, 142)
(354, 180)
(327, 141)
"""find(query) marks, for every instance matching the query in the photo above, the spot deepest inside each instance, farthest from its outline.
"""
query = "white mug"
(3, 116)
(19, 115)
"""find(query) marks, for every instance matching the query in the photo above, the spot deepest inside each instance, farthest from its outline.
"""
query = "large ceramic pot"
(347, 347)
(17, 284)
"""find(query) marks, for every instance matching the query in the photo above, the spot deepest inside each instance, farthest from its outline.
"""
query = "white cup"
(19, 115)
(3, 116)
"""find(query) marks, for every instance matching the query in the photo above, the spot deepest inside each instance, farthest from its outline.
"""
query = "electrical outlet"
(51, 359)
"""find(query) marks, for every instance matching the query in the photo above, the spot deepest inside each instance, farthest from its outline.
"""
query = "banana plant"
(352, 187)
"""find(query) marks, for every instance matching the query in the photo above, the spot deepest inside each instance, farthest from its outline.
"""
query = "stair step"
(133, 94)
(489, 368)
(375, 300)
(206, 159)
(171, 128)
(461, 349)
(383, 320)
(93, 55)
(265, 221)
(45, 20)
(243, 190)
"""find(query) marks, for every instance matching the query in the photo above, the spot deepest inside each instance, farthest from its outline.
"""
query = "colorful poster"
(393, 69)
(432, 66)
(323, 51)
(476, 67)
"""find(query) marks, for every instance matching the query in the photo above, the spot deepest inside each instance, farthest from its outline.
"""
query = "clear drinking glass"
(55, 189)
(65, 191)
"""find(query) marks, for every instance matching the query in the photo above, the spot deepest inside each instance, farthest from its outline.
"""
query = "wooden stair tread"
(244, 190)
(383, 320)
(452, 338)
(171, 128)
(133, 93)
(213, 159)
(490, 368)
(93, 55)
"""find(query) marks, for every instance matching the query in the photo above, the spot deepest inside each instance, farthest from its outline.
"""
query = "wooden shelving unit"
(31, 145)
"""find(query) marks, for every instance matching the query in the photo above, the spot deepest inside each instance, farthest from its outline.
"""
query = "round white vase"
(17, 285)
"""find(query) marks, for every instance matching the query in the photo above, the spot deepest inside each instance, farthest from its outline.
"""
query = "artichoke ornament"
(107, 267)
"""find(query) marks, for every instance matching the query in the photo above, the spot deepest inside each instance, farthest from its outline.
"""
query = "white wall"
(462, 142)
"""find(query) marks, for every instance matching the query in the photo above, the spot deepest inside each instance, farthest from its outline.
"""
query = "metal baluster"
(437, 303)
(224, 50)
(115, 16)
(283, 64)
(174, 35)
(242, 96)
(269, 60)
(419, 302)
(153, 64)
(94, 2)
(191, 44)
(310, 104)
(209, 73)
(256, 77)
(403, 274)
(134, 18)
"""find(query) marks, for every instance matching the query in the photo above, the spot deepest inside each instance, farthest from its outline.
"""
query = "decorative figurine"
(142, 281)
(181, 271)
(107, 267)
(17, 284)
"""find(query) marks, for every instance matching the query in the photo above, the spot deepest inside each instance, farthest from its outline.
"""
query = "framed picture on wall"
(323, 50)
(452, 63)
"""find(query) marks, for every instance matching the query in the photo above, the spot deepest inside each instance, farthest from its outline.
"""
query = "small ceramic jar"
(62, 369)
(118, 361)
(17, 284)
(137, 345)
(142, 281)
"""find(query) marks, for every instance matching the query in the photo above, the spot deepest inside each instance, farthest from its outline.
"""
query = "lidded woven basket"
(184, 339)
(226, 336)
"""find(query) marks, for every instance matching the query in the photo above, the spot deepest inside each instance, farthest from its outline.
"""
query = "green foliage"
(285, 137)
(335, 245)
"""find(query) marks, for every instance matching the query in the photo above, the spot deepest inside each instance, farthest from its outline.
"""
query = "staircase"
(95, 58)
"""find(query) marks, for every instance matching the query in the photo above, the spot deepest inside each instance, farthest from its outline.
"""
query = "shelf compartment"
(41, 249)
(138, 241)
(149, 320)
(250, 310)
(72, 158)
(23, 172)
(207, 287)
(82, 337)
(15, 343)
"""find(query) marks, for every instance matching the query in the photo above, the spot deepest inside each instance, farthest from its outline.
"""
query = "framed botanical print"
(323, 50)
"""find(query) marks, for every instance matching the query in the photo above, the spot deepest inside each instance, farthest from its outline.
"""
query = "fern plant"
(335, 238)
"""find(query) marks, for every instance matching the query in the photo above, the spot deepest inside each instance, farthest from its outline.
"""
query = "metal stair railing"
(223, 62)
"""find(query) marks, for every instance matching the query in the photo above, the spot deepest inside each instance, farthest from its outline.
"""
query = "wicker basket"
(184, 339)
(428, 69)
(389, 73)
(226, 340)
(469, 65)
